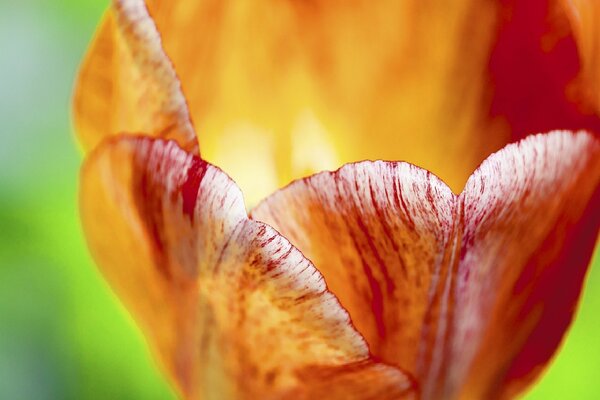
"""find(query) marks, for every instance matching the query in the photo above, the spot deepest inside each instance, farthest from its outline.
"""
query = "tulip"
(375, 281)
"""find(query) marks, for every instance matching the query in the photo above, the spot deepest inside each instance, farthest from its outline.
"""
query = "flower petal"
(341, 77)
(309, 85)
(538, 79)
(530, 225)
(127, 83)
(379, 234)
(458, 290)
(230, 307)
(585, 20)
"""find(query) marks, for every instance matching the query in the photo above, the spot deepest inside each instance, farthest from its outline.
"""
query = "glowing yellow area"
(312, 147)
(278, 90)
(319, 84)
(246, 152)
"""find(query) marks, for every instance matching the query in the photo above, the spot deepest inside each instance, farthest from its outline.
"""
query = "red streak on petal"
(189, 189)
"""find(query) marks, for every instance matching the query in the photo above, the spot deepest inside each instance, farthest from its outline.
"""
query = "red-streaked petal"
(127, 83)
(530, 224)
(379, 234)
(230, 307)
(458, 290)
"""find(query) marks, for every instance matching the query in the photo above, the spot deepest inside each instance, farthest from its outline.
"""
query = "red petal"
(540, 79)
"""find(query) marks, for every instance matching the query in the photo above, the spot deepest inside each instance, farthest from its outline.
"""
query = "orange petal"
(378, 234)
(364, 380)
(310, 85)
(230, 307)
(128, 84)
(458, 290)
(585, 20)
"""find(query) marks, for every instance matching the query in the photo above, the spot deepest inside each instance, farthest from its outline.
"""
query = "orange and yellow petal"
(128, 84)
(230, 307)
(282, 89)
(460, 291)
(299, 87)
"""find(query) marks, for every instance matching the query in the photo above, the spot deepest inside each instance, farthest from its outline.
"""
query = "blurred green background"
(63, 334)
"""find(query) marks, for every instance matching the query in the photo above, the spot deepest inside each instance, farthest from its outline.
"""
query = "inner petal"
(292, 87)
(381, 234)
(325, 83)
(434, 84)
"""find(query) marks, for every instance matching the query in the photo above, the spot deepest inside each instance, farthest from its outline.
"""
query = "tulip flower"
(375, 281)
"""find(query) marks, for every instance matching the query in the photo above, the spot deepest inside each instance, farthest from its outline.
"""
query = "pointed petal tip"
(127, 83)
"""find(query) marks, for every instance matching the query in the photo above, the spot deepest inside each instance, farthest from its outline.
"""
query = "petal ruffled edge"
(229, 306)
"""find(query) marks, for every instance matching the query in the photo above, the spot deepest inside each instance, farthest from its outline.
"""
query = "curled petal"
(128, 84)
(231, 308)
(458, 290)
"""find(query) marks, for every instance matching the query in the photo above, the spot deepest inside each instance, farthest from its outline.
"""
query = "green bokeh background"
(63, 334)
